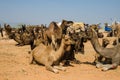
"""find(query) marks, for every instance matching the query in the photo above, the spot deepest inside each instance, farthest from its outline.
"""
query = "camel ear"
(63, 36)
(66, 37)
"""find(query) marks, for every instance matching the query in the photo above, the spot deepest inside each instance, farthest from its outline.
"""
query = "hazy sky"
(45, 11)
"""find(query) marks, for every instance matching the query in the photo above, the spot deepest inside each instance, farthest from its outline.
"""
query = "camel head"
(105, 42)
(83, 36)
(68, 40)
(65, 24)
(90, 33)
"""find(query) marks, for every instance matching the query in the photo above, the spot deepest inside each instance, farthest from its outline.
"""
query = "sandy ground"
(14, 65)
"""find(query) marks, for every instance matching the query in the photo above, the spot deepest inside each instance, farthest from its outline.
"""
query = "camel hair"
(48, 57)
(113, 53)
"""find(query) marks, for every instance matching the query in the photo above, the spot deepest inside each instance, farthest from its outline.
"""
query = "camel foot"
(76, 61)
(105, 68)
(63, 69)
(55, 71)
(19, 45)
(108, 67)
(99, 65)
(66, 63)
(60, 68)
(93, 63)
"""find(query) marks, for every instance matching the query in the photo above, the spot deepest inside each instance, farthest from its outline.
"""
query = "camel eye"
(66, 39)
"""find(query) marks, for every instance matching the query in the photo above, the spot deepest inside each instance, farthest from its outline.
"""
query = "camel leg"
(115, 63)
(98, 60)
(53, 42)
(99, 65)
(60, 68)
(1, 32)
(30, 59)
(53, 39)
(109, 66)
(50, 68)
(76, 61)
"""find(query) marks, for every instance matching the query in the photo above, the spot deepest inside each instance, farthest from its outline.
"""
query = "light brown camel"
(113, 53)
(100, 58)
(48, 57)
(52, 34)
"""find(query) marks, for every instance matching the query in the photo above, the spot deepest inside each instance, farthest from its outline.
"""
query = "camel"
(78, 26)
(22, 36)
(32, 35)
(54, 32)
(64, 25)
(39, 36)
(114, 27)
(113, 53)
(8, 30)
(96, 27)
(69, 56)
(80, 38)
(115, 30)
(1, 31)
(48, 57)
(100, 35)
(100, 58)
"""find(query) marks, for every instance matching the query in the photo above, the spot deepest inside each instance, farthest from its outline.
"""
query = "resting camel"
(48, 57)
(54, 33)
(100, 58)
(1, 31)
(22, 36)
(113, 53)
(79, 38)
(39, 36)
(8, 30)
(115, 30)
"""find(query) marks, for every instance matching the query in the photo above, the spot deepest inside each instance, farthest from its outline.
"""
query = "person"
(107, 28)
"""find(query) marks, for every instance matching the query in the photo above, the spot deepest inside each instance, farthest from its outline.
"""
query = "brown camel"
(23, 36)
(113, 53)
(8, 30)
(47, 56)
(64, 25)
(52, 34)
(39, 36)
(100, 58)
(1, 31)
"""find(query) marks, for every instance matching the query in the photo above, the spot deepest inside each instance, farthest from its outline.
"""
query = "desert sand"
(14, 65)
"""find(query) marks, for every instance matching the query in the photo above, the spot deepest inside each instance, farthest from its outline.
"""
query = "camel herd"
(55, 45)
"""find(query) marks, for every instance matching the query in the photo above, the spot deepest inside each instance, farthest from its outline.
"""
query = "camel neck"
(60, 51)
(95, 43)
